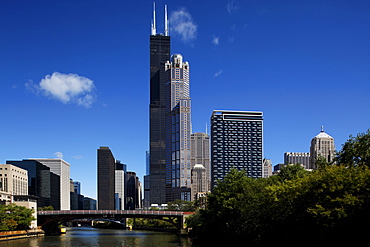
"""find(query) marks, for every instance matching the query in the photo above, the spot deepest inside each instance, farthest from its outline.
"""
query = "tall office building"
(132, 191)
(61, 168)
(236, 142)
(77, 187)
(297, 157)
(199, 145)
(178, 130)
(322, 145)
(39, 181)
(159, 55)
(199, 182)
(89, 203)
(55, 194)
(106, 179)
(120, 187)
(146, 201)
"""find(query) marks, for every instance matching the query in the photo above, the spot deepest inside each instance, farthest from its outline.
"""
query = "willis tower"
(155, 182)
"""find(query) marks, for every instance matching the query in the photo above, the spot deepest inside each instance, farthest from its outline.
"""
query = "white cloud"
(77, 157)
(215, 40)
(232, 6)
(182, 25)
(58, 155)
(67, 88)
(218, 73)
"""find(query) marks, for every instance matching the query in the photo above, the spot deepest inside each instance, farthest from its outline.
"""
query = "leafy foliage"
(328, 206)
(356, 151)
(46, 208)
(15, 217)
(151, 223)
(181, 205)
(291, 172)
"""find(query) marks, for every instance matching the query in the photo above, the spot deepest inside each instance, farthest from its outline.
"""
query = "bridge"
(46, 217)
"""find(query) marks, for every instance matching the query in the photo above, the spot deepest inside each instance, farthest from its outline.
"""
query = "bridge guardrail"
(119, 212)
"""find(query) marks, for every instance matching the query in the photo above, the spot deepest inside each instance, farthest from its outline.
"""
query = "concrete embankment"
(9, 235)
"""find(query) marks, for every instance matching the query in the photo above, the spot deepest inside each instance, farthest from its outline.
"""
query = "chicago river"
(87, 236)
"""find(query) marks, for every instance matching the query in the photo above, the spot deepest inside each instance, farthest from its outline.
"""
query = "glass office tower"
(236, 142)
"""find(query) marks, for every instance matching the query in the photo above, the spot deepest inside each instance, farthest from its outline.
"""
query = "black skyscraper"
(106, 179)
(159, 55)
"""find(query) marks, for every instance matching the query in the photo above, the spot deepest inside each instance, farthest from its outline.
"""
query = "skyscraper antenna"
(165, 21)
(154, 31)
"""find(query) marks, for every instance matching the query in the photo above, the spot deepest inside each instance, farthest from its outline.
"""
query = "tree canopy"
(356, 151)
(15, 217)
(326, 206)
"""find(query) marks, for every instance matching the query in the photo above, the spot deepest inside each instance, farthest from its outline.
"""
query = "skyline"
(283, 59)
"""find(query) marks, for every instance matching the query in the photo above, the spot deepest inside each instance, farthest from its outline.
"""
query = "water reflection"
(80, 236)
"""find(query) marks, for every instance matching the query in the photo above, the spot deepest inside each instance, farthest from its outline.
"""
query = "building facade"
(106, 179)
(267, 168)
(178, 130)
(62, 169)
(322, 145)
(199, 145)
(89, 203)
(120, 185)
(236, 142)
(55, 191)
(132, 190)
(159, 54)
(39, 181)
(297, 157)
(13, 180)
(199, 181)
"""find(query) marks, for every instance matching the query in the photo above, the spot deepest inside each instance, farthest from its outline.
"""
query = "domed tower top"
(322, 145)
(322, 134)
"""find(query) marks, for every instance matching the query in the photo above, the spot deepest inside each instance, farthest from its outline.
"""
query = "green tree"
(14, 217)
(181, 205)
(356, 151)
(321, 162)
(328, 205)
(46, 208)
(237, 211)
(290, 172)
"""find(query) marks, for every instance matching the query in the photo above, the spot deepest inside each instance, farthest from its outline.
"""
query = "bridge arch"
(49, 218)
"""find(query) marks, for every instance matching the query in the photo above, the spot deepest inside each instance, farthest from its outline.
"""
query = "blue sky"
(75, 74)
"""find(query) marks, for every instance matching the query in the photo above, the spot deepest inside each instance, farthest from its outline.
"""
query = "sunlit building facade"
(178, 130)
(199, 145)
(297, 157)
(322, 145)
(13, 180)
(62, 169)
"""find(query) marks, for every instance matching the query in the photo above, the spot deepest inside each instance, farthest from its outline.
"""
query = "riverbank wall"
(9, 235)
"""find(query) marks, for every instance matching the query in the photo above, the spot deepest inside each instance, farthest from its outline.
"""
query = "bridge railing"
(116, 212)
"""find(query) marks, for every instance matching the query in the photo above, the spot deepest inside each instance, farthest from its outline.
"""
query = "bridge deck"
(131, 213)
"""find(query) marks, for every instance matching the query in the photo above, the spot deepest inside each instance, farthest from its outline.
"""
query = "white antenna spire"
(165, 21)
(154, 31)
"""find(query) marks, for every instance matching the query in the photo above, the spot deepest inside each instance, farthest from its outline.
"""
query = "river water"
(86, 236)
